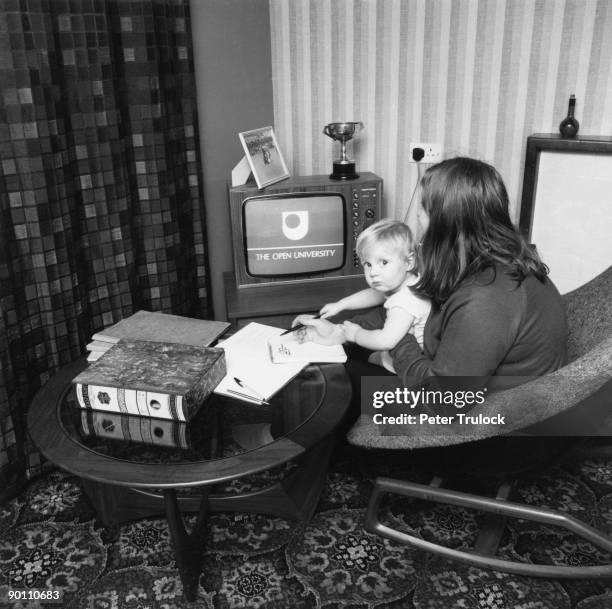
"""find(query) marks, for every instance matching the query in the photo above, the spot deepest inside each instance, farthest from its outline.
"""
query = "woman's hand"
(350, 330)
(330, 309)
(319, 331)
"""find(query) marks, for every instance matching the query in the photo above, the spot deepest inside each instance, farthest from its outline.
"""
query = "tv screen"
(301, 233)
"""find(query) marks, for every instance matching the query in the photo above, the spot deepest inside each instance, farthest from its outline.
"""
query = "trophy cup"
(344, 169)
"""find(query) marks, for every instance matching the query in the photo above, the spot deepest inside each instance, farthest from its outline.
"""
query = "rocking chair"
(555, 400)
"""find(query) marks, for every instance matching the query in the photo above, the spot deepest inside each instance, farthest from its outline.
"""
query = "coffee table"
(173, 468)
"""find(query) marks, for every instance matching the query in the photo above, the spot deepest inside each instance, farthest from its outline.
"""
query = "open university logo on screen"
(295, 224)
(295, 235)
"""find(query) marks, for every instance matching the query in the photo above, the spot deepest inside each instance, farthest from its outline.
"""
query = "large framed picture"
(565, 208)
(264, 156)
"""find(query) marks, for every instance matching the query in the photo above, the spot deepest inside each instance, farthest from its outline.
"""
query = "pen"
(254, 393)
(246, 396)
(298, 327)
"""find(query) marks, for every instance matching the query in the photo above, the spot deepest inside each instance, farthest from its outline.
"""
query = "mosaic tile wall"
(101, 209)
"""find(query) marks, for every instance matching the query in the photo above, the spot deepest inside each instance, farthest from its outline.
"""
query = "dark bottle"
(569, 125)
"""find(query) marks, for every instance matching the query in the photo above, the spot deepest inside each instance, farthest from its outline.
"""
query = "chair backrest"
(589, 314)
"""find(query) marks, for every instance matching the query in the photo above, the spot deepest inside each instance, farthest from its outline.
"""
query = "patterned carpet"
(49, 537)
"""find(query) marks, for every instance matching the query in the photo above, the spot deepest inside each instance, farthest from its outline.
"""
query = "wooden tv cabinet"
(277, 305)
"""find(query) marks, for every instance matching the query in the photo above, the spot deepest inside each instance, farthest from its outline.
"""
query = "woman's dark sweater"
(491, 326)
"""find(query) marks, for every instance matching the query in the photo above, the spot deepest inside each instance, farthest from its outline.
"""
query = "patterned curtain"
(100, 192)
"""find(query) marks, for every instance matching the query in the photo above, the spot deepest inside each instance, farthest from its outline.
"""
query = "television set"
(301, 230)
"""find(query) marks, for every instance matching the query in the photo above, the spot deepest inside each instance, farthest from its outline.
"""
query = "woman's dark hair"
(469, 228)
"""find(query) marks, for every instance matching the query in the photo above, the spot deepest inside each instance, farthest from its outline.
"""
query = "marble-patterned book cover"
(167, 380)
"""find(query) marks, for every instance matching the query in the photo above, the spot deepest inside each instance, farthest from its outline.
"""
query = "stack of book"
(156, 327)
(152, 364)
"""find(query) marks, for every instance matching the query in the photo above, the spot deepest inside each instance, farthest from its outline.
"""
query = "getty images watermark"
(462, 406)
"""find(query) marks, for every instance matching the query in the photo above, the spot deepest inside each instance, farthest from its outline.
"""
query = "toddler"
(386, 252)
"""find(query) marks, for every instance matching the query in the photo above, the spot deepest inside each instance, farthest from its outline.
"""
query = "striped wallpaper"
(476, 76)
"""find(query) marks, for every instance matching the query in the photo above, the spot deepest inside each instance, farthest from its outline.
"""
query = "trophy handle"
(328, 132)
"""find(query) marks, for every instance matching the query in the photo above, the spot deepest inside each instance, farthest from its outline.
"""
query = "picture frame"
(563, 178)
(264, 156)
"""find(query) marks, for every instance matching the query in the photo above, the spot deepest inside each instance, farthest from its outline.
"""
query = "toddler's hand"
(350, 330)
(330, 309)
(319, 331)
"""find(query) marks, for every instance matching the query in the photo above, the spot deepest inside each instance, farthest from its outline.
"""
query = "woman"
(495, 314)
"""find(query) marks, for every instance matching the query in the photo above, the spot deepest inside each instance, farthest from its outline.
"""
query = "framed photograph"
(264, 156)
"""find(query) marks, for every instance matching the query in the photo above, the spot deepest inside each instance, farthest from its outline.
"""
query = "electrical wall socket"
(433, 152)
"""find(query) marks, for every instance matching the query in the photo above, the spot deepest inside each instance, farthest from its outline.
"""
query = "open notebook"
(287, 349)
(251, 374)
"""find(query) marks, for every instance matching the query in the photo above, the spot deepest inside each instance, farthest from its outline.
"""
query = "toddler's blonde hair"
(387, 231)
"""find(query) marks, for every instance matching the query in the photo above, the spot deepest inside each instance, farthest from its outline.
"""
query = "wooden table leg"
(188, 547)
